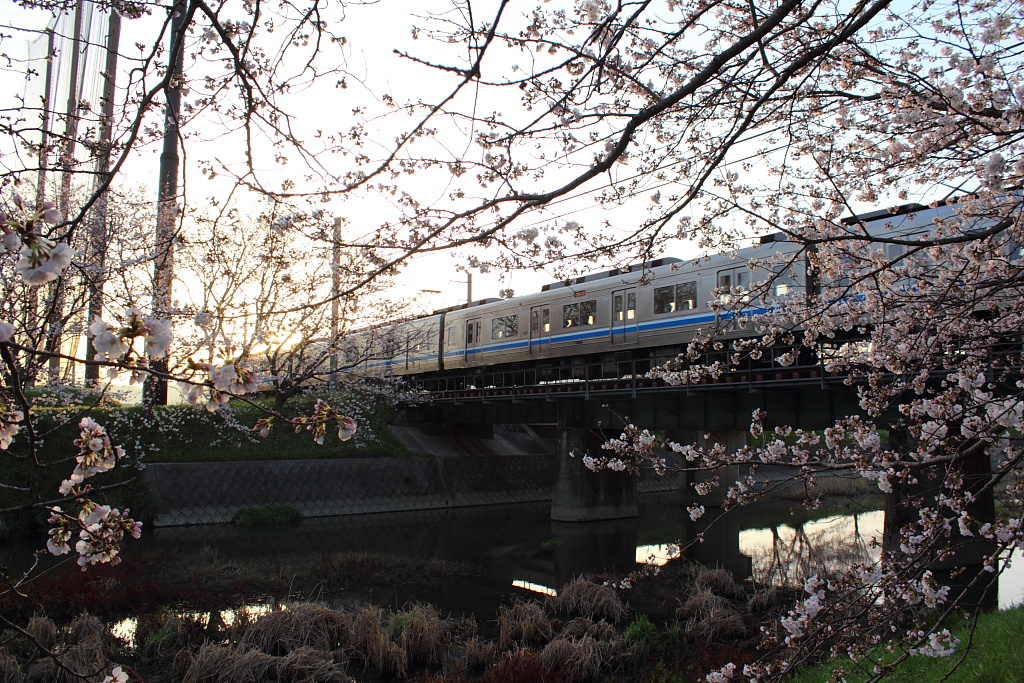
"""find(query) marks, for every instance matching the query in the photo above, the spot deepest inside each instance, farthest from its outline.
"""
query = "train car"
(650, 309)
(659, 303)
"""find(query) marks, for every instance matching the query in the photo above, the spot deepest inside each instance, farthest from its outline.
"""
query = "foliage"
(639, 631)
(267, 515)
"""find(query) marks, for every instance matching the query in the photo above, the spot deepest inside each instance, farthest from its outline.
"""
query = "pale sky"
(374, 31)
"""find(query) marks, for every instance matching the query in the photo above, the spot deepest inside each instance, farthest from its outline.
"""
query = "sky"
(374, 31)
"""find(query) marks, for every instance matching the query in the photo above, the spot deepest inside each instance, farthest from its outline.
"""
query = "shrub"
(639, 633)
(572, 660)
(267, 515)
(585, 598)
(525, 623)
(305, 625)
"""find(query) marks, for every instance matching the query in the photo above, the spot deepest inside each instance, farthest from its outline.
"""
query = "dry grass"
(44, 631)
(479, 654)
(572, 660)
(587, 599)
(314, 666)
(163, 633)
(421, 632)
(523, 624)
(371, 643)
(580, 626)
(85, 628)
(10, 670)
(720, 582)
(217, 664)
(518, 666)
(84, 662)
(305, 625)
(711, 618)
(764, 600)
(81, 655)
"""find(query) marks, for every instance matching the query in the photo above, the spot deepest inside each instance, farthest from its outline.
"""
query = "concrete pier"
(582, 495)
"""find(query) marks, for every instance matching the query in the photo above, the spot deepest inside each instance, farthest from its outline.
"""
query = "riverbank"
(669, 627)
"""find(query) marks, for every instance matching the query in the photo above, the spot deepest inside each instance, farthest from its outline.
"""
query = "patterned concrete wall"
(211, 493)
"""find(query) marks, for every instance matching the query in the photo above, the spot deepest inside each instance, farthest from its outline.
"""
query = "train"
(652, 309)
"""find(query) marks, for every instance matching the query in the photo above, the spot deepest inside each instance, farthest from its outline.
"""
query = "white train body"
(656, 307)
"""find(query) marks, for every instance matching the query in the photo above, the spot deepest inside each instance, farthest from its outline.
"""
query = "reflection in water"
(785, 555)
(656, 555)
(521, 551)
(534, 587)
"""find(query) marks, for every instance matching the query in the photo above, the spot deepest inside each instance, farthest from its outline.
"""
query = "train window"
(505, 326)
(686, 296)
(782, 281)
(588, 312)
(570, 315)
(540, 321)
(680, 297)
(576, 315)
(621, 313)
(732, 282)
(664, 299)
(351, 353)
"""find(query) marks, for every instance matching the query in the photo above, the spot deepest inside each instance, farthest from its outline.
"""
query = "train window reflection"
(734, 284)
(505, 326)
(679, 297)
(576, 315)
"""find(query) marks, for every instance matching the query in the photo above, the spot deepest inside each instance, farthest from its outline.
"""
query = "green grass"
(995, 657)
(267, 515)
(639, 632)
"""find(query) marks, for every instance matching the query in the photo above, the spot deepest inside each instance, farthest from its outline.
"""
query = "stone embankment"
(512, 467)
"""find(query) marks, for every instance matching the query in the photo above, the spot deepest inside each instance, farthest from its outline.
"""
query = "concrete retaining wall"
(211, 493)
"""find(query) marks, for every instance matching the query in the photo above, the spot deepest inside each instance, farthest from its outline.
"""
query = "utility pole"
(98, 233)
(335, 301)
(55, 306)
(155, 388)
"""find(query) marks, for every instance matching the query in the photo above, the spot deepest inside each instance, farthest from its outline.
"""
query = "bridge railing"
(585, 377)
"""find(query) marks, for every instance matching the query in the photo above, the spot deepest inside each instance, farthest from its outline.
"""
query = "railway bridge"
(584, 402)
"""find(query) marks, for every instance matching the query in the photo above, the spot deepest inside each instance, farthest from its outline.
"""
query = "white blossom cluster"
(115, 344)
(9, 420)
(41, 259)
(221, 382)
(100, 528)
(322, 417)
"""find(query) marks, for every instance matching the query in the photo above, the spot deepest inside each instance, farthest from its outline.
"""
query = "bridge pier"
(582, 495)
(689, 478)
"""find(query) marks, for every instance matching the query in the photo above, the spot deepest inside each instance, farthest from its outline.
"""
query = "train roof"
(614, 272)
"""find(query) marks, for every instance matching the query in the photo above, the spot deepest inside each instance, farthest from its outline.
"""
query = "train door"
(735, 286)
(624, 324)
(540, 329)
(473, 341)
